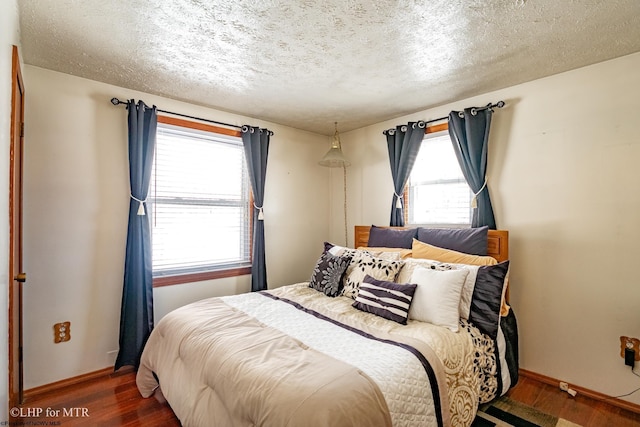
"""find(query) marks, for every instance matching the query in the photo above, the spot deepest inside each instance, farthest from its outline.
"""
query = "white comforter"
(444, 394)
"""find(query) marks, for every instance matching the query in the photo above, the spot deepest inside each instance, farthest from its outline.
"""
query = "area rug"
(505, 412)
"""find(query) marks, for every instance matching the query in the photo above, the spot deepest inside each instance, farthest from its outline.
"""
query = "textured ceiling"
(308, 63)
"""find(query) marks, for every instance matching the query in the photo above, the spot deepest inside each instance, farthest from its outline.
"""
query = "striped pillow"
(385, 299)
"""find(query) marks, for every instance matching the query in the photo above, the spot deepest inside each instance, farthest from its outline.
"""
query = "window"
(199, 203)
(437, 191)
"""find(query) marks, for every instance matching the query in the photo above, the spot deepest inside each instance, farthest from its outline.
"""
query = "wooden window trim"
(405, 194)
(199, 126)
(199, 277)
(213, 274)
(437, 128)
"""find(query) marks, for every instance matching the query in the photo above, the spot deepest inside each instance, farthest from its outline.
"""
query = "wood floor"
(110, 402)
(580, 409)
(115, 401)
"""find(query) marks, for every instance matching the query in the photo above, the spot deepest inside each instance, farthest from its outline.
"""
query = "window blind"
(438, 191)
(199, 202)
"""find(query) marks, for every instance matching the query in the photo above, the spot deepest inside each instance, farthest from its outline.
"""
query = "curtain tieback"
(141, 211)
(260, 212)
(474, 199)
(399, 200)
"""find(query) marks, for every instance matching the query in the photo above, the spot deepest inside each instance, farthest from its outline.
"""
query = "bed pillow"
(328, 272)
(426, 251)
(391, 238)
(468, 288)
(469, 285)
(381, 251)
(488, 294)
(364, 263)
(410, 264)
(467, 240)
(437, 297)
(389, 255)
(385, 299)
(446, 257)
(338, 250)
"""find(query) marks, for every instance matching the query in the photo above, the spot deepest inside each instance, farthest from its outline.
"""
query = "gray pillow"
(487, 298)
(467, 240)
(380, 237)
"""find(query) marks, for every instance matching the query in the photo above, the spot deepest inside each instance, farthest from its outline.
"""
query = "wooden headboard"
(497, 244)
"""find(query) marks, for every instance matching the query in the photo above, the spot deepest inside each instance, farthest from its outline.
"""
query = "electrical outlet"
(61, 332)
(565, 387)
(631, 344)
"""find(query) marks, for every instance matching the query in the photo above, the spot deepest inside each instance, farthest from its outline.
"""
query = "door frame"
(15, 167)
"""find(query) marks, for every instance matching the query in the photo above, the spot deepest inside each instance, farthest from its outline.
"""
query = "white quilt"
(398, 372)
(326, 325)
(455, 350)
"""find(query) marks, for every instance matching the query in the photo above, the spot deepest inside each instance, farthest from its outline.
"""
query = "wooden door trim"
(17, 84)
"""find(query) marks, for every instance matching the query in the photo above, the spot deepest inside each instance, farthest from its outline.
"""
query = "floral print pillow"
(364, 263)
(328, 272)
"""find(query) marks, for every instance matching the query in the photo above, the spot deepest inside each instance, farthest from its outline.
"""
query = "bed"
(293, 356)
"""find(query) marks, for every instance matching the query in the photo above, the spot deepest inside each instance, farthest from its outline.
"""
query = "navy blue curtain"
(469, 132)
(403, 143)
(136, 315)
(256, 151)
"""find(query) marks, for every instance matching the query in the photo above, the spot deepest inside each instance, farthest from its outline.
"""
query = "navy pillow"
(328, 272)
(467, 240)
(487, 298)
(391, 238)
(385, 299)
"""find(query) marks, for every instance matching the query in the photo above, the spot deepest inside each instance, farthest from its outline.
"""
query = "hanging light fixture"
(334, 157)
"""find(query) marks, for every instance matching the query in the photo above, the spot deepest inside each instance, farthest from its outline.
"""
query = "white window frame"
(437, 131)
(214, 270)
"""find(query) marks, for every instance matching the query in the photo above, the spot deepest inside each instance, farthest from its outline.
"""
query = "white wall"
(76, 202)
(563, 177)
(564, 180)
(9, 36)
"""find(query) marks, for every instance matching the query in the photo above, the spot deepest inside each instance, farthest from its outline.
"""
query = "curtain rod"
(498, 104)
(116, 101)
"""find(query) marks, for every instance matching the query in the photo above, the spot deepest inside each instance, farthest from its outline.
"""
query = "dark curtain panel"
(403, 143)
(136, 316)
(256, 151)
(469, 132)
